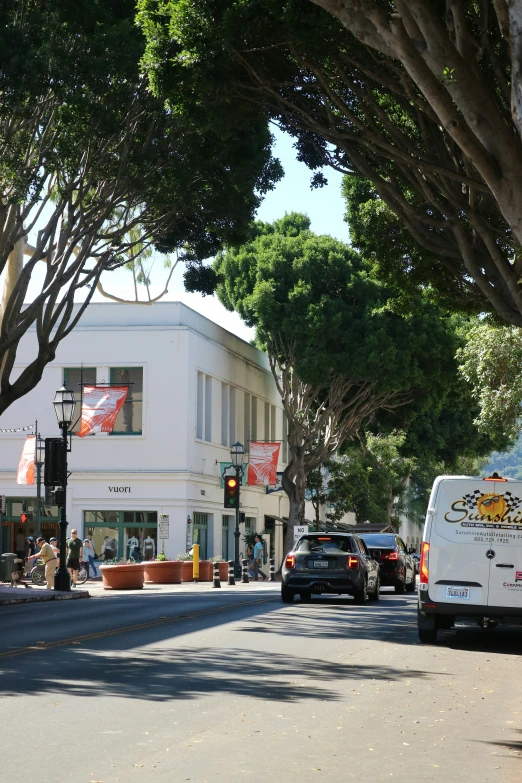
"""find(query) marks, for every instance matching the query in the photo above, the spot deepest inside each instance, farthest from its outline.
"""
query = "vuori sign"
(119, 489)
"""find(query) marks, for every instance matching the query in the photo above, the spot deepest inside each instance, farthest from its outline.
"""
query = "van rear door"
(458, 563)
(505, 553)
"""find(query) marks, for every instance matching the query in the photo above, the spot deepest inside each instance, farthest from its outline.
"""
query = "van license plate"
(460, 593)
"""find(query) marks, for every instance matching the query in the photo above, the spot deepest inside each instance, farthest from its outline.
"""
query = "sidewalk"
(94, 589)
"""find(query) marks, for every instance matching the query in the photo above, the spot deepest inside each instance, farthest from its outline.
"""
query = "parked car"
(336, 563)
(471, 559)
(396, 564)
(416, 561)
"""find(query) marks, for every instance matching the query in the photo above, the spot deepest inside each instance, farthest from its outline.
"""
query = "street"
(232, 685)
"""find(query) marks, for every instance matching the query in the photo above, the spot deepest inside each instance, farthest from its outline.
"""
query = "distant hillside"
(507, 463)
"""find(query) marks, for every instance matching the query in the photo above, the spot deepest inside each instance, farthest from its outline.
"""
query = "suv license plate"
(320, 564)
(460, 593)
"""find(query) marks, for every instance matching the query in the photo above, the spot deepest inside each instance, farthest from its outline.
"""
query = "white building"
(195, 389)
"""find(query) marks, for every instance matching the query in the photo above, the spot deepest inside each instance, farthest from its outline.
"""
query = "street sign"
(163, 526)
(300, 530)
(3, 504)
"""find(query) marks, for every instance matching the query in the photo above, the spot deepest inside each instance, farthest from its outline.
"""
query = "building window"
(253, 430)
(208, 408)
(204, 407)
(227, 522)
(129, 420)
(225, 397)
(232, 417)
(247, 421)
(200, 533)
(73, 377)
(123, 534)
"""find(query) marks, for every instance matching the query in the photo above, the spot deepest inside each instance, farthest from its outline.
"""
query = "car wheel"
(361, 596)
(399, 587)
(377, 592)
(306, 596)
(428, 635)
(410, 587)
(287, 595)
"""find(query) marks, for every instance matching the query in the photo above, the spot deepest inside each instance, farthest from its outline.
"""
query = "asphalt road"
(222, 686)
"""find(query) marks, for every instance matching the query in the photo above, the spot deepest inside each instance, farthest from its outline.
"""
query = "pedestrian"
(21, 549)
(74, 555)
(30, 547)
(258, 559)
(89, 556)
(53, 543)
(49, 557)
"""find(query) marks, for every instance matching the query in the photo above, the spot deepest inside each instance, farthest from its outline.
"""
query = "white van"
(471, 559)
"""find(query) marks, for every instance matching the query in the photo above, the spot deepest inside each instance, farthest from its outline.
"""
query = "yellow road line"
(128, 628)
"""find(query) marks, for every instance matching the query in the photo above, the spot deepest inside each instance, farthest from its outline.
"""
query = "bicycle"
(38, 575)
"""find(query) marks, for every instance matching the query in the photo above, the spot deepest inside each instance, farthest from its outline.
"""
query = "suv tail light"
(424, 563)
(290, 561)
(353, 562)
(391, 556)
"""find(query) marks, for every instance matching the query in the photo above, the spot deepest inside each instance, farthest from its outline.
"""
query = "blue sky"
(324, 206)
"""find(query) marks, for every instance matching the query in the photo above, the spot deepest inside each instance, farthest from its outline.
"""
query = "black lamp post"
(237, 453)
(64, 404)
(39, 449)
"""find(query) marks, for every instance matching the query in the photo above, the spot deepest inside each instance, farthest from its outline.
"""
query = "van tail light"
(353, 562)
(391, 556)
(290, 561)
(424, 563)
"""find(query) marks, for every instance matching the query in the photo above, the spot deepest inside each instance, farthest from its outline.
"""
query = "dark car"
(416, 561)
(330, 563)
(397, 566)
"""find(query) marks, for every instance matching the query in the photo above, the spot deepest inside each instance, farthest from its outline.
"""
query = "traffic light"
(26, 517)
(231, 492)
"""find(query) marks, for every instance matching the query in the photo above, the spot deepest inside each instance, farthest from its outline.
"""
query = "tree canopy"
(340, 345)
(101, 170)
(417, 101)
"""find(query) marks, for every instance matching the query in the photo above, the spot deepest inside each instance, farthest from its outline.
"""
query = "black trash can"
(7, 566)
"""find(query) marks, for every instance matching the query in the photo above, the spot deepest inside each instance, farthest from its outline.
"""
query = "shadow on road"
(189, 672)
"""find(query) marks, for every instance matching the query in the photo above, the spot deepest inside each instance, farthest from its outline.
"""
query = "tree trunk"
(13, 270)
(295, 491)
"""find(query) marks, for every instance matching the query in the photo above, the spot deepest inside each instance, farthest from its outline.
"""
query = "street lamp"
(237, 453)
(39, 450)
(64, 404)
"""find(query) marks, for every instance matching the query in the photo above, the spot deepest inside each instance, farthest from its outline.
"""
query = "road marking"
(140, 626)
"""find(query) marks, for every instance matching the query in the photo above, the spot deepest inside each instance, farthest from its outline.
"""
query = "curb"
(32, 598)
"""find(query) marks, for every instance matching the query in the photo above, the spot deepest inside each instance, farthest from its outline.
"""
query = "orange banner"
(100, 406)
(262, 464)
(25, 473)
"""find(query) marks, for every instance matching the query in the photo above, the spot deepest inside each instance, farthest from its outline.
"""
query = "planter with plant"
(187, 571)
(163, 571)
(223, 567)
(122, 574)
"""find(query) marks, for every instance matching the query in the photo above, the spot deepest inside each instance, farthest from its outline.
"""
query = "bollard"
(217, 580)
(195, 562)
(272, 578)
(231, 580)
(244, 572)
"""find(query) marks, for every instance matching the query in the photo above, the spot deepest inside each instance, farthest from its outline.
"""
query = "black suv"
(397, 566)
(329, 563)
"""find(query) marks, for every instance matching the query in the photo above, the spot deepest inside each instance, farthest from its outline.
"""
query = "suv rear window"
(378, 541)
(326, 543)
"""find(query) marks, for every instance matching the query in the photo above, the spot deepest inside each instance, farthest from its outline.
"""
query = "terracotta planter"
(163, 572)
(127, 576)
(187, 571)
(223, 572)
(205, 571)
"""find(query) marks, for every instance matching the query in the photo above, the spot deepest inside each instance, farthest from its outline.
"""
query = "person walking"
(74, 555)
(89, 556)
(49, 558)
(258, 559)
(21, 549)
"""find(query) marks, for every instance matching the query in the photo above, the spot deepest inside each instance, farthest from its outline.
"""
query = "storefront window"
(224, 537)
(123, 534)
(200, 533)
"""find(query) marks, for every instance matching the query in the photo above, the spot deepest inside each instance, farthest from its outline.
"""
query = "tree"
(316, 492)
(338, 350)
(102, 170)
(417, 100)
